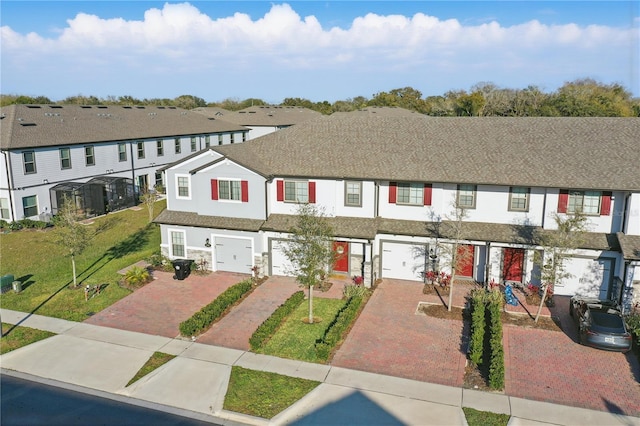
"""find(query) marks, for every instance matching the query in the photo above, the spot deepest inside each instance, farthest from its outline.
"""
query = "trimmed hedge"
(337, 328)
(271, 324)
(206, 316)
(496, 368)
(478, 326)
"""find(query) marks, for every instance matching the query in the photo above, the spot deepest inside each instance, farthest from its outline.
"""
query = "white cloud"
(180, 37)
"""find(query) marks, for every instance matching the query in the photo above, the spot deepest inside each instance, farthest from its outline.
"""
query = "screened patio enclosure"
(96, 197)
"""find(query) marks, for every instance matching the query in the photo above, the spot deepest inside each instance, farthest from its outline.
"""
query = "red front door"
(513, 264)
(341, 250)
(464, 260)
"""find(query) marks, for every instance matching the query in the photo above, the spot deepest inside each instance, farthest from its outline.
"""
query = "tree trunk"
(453, 277)
(310, 304)
(544, 296)
(73, 265)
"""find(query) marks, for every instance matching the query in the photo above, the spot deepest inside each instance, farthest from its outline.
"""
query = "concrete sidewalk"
(101, 359)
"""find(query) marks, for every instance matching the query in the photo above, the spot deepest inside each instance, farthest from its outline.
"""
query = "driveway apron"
(391, 338)
(551, 366)
(159, 307)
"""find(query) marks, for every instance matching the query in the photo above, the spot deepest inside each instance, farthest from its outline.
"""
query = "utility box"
(17, 286)
(6, 281)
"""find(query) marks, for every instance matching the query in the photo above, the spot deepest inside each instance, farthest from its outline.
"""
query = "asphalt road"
(26, 402)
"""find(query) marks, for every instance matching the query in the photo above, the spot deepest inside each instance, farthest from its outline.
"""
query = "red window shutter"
(312, 192)
(280, 190)
(392, 192)
(427, 194)
(605, 204)
(563, 200)
(244, 190)
(214, 189)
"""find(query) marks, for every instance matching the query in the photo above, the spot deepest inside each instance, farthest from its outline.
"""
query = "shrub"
(354, 290)
(206, 316)
(271, 324)
(137, 276)
(496, 367)
(159, 261)
(336, 329)
(633, 322)
(478, 325)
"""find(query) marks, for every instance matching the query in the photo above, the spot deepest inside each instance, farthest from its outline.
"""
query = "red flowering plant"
(442, 279)
(358, 279)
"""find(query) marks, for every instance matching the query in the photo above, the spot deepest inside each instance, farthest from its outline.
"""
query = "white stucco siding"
(610, 223)
(632, 225)
(226, 170)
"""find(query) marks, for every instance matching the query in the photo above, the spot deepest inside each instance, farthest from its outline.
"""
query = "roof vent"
(102, 106)
(55, 106)
(33, 106)
(85, 106)
(140, 106)
(27, 124)
(127, 107)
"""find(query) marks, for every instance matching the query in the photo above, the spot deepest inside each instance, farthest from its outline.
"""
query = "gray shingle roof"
(264, 115)
(630, 246)
(368, 228)
(379, 111)
(173, 217)
(579, 153)
(30, 126)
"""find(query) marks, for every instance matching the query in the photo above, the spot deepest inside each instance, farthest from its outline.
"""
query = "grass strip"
(19, 336)
(157, 359)
(263, 394)
(485, 418)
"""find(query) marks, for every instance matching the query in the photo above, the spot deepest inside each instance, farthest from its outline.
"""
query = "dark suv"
(600, 324)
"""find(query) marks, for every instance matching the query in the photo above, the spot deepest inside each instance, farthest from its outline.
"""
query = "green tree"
(309, 249)
(70, 234)
(557, 248)
(189, 102)
(588, 98)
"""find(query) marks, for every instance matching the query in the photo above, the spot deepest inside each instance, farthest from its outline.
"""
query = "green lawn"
(158, 359)
(262, 394)
(485, 418)
(46, 274)
(296, 339)
(14, 337)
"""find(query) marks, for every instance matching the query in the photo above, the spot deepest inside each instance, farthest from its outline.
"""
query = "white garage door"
(590, 277)
(233, 254)
(402, 261)
(280, 265)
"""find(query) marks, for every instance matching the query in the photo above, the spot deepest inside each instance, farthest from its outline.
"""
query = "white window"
(122, 152)
(519, 199)
(586, 201)
(160, 147)
(177, 146)
(410, 193)
(207, 141)
(232, 138)
(296, 191)
(177, 244)
(4, 208)
(65, 158)
(29, 161)
(30, 206)
(140, 149)
(353, 193)
(89, 156)
(183, 184)
(229, 190)
(194, 145)
(220, 141)
(467, 196)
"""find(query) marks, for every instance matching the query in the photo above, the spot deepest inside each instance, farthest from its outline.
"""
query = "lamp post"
(433, 256)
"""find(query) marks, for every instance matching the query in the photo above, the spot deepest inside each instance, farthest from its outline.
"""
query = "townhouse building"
(100, 156)
(389, 184)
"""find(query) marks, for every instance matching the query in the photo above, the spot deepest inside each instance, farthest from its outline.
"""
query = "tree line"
(579, 98)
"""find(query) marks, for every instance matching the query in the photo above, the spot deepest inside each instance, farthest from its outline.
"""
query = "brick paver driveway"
(551, 366)
(390, 338)
(160, 306)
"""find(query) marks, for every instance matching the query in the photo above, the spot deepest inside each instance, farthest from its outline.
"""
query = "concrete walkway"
(102, 360)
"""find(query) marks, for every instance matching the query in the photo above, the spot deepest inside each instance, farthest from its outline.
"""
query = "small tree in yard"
(558, 246)
(457, 253)
(310, 250)
(149, 198)
(70, 233)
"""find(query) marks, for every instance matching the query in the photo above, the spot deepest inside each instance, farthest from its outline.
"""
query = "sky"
(316, 50)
